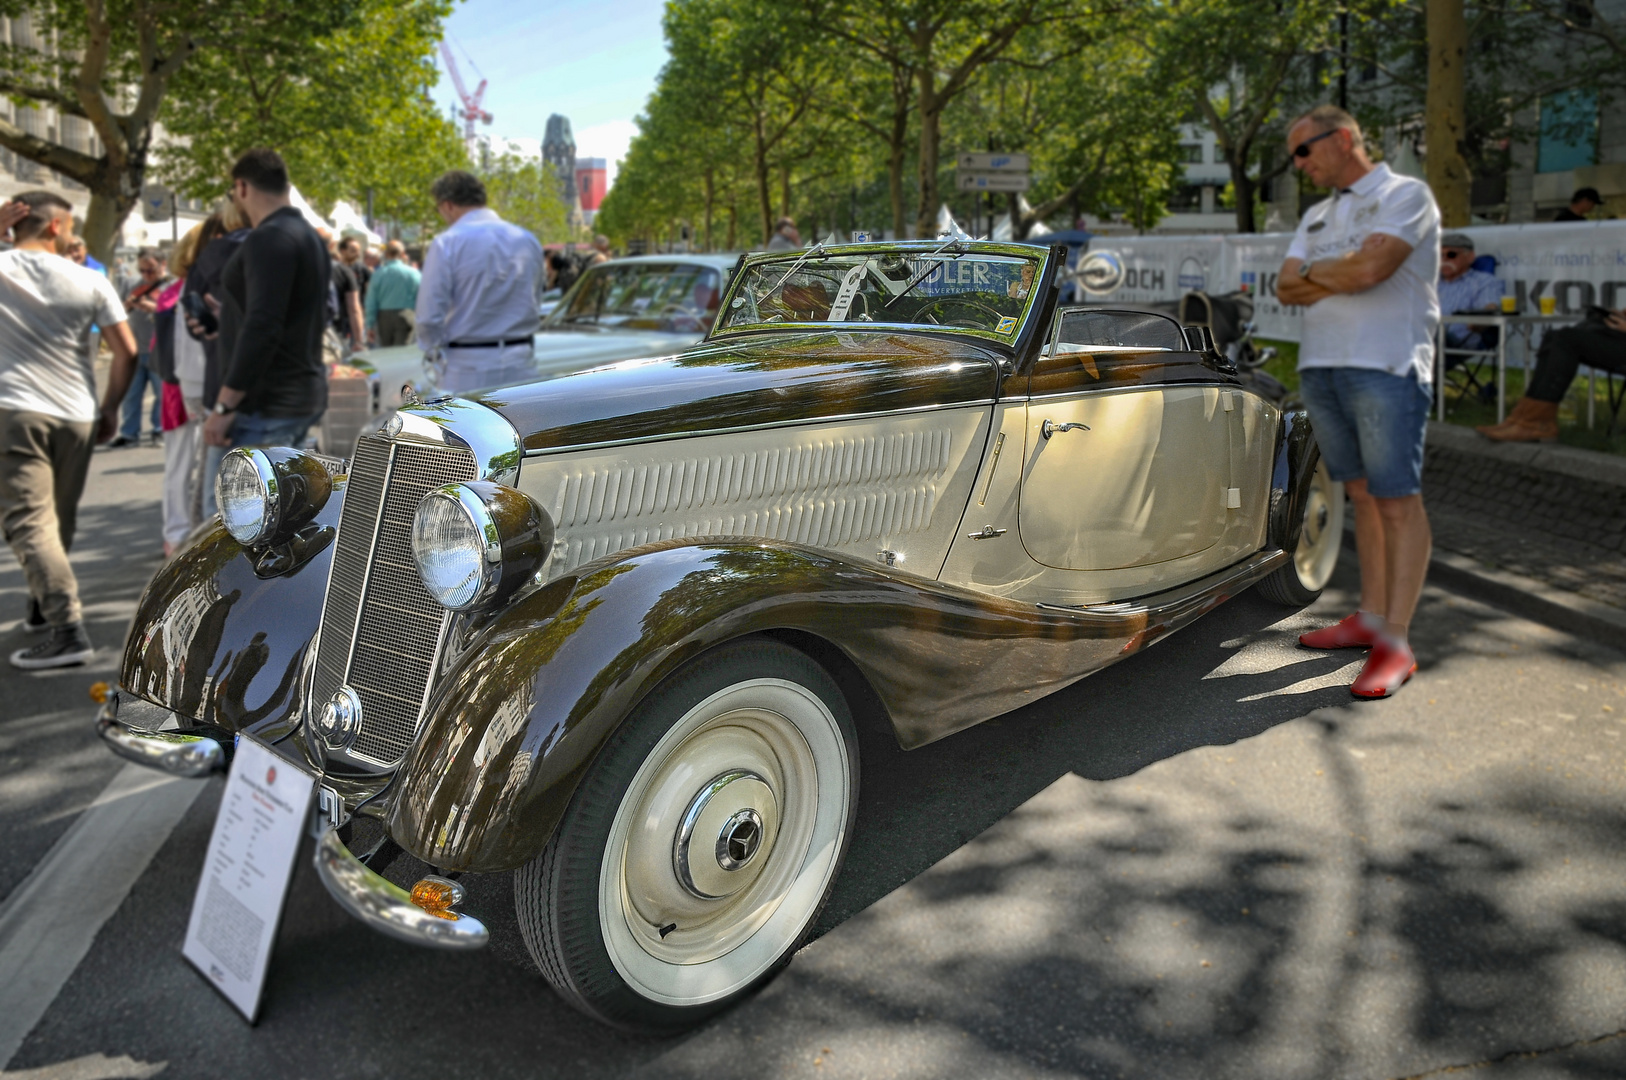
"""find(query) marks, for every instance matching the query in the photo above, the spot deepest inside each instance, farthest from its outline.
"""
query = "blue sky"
(595, 62)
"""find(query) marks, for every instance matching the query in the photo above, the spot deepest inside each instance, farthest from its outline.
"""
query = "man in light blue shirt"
(1462, 288)
(391, 298)
(480, 300)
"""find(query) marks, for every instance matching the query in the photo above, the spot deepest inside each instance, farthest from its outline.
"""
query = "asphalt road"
(1204, 862)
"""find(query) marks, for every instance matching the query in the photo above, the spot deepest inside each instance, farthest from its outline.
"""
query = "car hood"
(775, 377)
(562, 351)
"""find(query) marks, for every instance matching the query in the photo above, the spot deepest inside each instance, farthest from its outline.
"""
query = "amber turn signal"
(98, 692)
(437, 896)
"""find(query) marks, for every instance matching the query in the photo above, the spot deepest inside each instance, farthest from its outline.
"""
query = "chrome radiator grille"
(380, 629)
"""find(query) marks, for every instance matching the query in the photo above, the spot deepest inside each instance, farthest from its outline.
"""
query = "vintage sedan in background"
(648, 305)
(594, 630)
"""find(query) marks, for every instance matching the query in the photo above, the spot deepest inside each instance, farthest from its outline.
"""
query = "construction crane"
(471, 111)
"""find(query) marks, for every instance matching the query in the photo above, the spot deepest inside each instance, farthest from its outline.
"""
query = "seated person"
(1463, 289)
(1582, 203)
(1597, 342)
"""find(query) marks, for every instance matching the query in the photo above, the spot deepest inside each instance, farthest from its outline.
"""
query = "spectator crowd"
(228, 339)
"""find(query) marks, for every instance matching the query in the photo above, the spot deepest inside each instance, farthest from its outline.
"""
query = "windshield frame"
(1039, 254)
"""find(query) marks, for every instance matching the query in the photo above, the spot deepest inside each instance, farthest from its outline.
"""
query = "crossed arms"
(1355, 271)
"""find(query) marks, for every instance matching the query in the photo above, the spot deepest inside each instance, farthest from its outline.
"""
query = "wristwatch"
(1304, 269)
(222, 410)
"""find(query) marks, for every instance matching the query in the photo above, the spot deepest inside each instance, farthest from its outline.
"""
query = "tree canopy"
(338, 87)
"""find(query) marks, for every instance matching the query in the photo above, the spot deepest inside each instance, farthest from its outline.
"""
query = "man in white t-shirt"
(1364, 266)
(49, 418)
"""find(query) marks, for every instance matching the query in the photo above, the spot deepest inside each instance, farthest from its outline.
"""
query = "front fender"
(1296, 457)
(219, 635)
(521, 715)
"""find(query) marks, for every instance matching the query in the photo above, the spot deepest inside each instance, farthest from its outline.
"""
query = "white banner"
(1576, 263)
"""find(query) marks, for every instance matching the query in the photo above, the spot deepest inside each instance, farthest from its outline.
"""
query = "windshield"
(952, 289)
(643, 296)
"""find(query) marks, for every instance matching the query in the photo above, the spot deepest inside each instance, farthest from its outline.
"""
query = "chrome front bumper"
(166, 751)
(371, 898)
(385, 906)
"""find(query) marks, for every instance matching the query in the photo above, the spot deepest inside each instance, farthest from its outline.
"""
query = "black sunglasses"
(1302, 150)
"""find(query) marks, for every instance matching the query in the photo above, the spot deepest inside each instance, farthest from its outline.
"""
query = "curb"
(1525, 597)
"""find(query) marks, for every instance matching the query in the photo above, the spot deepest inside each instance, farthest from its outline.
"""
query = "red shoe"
(1390, 667)
(1357, 631)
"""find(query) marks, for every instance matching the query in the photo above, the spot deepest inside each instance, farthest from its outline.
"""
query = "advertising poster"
(1579, 264)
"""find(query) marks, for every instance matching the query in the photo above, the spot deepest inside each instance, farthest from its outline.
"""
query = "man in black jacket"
(271, 319)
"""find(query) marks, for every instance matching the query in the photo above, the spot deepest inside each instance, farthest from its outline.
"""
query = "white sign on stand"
(245, 878)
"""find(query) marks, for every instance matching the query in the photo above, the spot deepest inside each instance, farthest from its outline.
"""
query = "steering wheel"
(942, 305)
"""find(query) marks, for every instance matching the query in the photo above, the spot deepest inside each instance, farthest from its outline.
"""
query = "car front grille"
(381, 629)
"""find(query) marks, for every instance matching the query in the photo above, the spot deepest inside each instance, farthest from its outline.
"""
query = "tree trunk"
(931, 113)
(784, 191)
(1446, 112)
(711, 199)
(733, 226)
(894, 167)
(764, 196)
(103, 222)
(1243, 185)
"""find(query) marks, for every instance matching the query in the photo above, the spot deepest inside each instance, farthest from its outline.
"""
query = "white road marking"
(48, 923)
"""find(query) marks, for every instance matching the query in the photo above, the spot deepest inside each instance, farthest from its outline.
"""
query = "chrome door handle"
(1050, 427)
(987, 532)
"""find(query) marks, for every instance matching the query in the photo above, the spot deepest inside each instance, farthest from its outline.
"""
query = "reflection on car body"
(595, 629)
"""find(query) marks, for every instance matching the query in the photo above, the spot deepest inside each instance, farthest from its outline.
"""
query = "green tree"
(116, 64)
(1243, 65)
(530, 195)
(943, 46)
(1099, 126)
(349, 114)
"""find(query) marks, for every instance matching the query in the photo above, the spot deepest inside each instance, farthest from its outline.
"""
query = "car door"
(1128, 446)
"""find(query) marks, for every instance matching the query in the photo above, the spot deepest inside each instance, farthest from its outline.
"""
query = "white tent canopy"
(347, 221)
(316, 220)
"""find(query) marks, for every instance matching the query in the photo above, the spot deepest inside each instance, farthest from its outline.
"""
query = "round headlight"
(478, 542)
(246, 492)
(265, 495)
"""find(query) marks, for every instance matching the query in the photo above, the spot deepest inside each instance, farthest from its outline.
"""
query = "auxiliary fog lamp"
(477, 543)
(265, 496)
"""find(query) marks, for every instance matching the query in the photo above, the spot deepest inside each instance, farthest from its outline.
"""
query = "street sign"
(992, 181)
(155, 203)
(993, 163)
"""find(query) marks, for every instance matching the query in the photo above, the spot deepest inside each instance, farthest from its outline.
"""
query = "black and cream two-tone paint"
(893, 465)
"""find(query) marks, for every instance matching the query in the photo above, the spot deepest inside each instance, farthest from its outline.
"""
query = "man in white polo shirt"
(1364, 266)
(49, 419)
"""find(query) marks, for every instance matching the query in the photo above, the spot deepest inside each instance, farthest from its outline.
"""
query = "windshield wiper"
(816, 249)
(932, 262)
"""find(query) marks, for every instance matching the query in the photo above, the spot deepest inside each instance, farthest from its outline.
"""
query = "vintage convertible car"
(594, 630)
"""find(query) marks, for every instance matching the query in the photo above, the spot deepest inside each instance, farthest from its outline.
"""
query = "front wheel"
(1300, 582)
(702, 844)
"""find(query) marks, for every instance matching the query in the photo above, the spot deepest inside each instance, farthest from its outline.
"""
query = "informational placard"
(245, 879)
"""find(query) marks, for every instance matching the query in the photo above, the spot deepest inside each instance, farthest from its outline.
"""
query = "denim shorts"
(1370, 425)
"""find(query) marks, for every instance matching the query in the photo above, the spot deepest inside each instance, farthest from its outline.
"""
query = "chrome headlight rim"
(270, 495)
(489, 552)
(513, 537)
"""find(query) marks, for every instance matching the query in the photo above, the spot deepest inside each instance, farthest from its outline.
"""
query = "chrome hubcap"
(729, 821)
